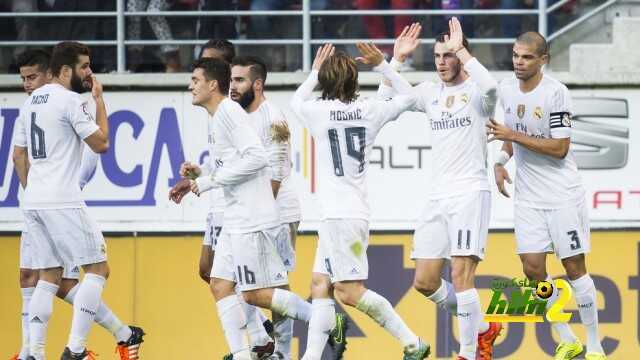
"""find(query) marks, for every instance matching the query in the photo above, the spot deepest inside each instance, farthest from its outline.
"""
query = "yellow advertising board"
(154, 283)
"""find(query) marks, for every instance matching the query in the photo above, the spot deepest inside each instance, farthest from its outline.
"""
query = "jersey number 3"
(355, 136)
(38, 150)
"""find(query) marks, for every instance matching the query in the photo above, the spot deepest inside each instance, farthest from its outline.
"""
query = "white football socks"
(234, 323)
(105, 318)
(40, 309)
(257, 334)
(85, 306)
(445, 297)
(585, 294)
(323, 320)
(283, 333)
(469, 316)
(380, 310)
(288, 304)
(561, 328)
(27, 293)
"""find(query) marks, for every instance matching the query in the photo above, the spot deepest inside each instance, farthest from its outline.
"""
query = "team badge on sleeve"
(560, 119)
(85, 110)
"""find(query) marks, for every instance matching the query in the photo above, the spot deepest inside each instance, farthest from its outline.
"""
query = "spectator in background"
(375, 25)
(25, 27)
(160, 28)
(440, 23)
(217, 27)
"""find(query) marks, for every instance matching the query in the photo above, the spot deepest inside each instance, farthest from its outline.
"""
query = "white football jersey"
(263, 121)
(52, 125)
(344, 134)
(242, 171)
(541, 181)
(457, 118)
(216, 195)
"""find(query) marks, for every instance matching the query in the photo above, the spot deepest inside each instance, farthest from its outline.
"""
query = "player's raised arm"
(406, 43)
(305, 90)
(98, 141)
(478, 73)
(371, 55)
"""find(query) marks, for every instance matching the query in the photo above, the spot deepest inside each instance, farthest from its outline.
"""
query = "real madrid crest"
(566, 120)
(464, 98)
(521, 109)
(538, 112)
(450, 101)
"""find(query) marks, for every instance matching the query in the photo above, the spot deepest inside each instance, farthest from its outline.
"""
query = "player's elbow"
(561, 152)
(18, 156)
(101, 148)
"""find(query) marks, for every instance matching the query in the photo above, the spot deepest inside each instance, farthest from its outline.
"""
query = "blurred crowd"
(173, 58)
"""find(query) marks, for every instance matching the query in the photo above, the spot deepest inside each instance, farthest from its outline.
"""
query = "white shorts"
(26, 259)
(342, 250)
(455, 226)
(59, 237)
(563, 231)
(284, 246)
(222, 267)
(251, 259)
(213, 229)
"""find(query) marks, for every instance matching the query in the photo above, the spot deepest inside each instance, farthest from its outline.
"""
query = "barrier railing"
(306, 13)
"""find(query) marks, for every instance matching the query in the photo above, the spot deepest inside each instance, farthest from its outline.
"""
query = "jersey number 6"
(352, 135)
(38, 150)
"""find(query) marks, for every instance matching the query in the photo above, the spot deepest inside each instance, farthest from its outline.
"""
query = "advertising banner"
(152, 133)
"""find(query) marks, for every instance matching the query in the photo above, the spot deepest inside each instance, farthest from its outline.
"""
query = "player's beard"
(247, 98)
(78, 84)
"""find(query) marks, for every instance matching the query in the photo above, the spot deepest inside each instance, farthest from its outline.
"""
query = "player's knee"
(348, 293)
(65, 286)
(320, 287)
(534, 271)
(221, 288)
(101, 269)
(575, 267)
(250, 297)
(426, 286)
(458, 276)
(28, 278)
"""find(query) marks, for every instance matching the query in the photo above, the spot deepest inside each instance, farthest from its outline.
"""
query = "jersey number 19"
(353, 135)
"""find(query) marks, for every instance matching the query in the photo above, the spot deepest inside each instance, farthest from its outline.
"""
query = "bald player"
(550, 210)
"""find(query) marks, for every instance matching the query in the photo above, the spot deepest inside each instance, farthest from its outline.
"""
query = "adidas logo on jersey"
(75, 269)
(287, 262)
(279, 276)
(36, 320)
(354, 271)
